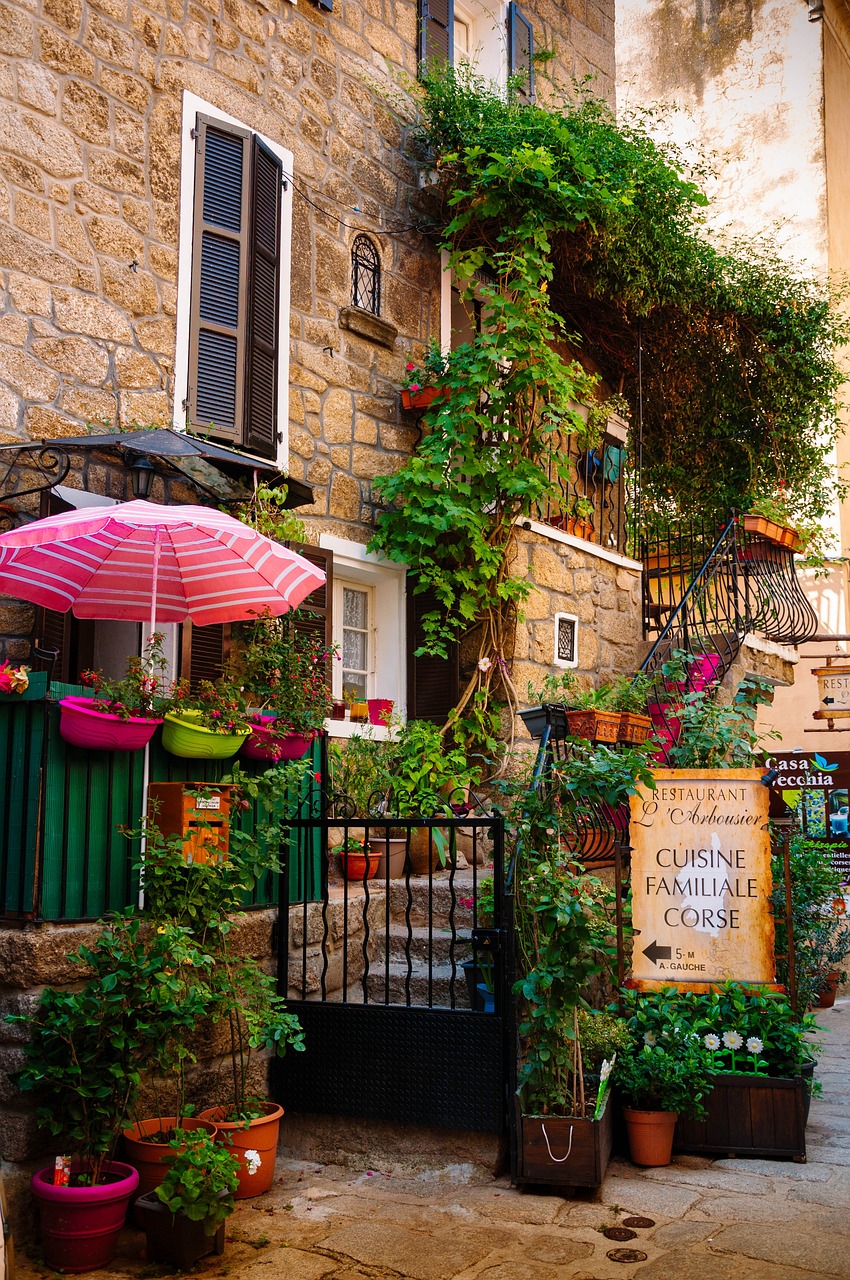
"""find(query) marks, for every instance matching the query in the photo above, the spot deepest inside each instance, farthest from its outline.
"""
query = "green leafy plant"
(602, 1036)
(286, 666)
(89, 1046)
(201, 1179)
(670, 1076)
(144, 691)
(714, 734)
(217, 705)
(821, 934)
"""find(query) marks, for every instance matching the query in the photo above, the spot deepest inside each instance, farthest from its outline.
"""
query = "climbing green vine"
(581, 237)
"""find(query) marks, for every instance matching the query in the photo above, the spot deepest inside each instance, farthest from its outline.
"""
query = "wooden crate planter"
(749, 1116)
(561, 1151)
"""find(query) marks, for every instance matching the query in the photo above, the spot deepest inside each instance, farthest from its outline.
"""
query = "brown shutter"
(261, 370)
(217, 325)
(436, 30)
(319, 602)
(204, 652)
(433, 684)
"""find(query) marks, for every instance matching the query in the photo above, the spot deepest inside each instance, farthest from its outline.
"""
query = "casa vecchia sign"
(701, 880)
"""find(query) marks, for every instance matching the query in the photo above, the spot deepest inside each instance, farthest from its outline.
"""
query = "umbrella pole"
(146, 765)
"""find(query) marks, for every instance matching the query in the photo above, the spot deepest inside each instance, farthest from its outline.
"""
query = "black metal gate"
(401, 973)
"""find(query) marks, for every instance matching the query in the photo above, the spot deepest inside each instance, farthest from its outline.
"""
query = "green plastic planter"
(192, 741)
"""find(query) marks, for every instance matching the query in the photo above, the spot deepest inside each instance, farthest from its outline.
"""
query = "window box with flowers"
(120, 715)
(424, 386)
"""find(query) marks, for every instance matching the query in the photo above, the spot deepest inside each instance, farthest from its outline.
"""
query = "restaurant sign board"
(701, 880)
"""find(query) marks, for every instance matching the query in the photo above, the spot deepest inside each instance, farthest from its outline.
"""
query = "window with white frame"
(492, 35)
(566, 640)
(368, 627)
(231, 371)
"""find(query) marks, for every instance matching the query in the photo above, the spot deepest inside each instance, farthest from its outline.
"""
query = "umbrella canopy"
(140, 561)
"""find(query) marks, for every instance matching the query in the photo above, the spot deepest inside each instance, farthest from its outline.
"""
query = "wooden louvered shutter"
(433, 684)
(204, 652)
(261, 370)
(218, 320)
(521, 51)
(436, 31)
(320, 602)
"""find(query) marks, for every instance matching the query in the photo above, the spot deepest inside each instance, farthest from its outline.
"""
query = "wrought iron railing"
(591, 500)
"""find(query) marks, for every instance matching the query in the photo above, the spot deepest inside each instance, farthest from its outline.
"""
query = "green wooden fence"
(63, 851)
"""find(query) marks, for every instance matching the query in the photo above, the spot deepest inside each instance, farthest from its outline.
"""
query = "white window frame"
(562, 662)
(488, 38)
(354, 566)
(341, 584)
(192, 107)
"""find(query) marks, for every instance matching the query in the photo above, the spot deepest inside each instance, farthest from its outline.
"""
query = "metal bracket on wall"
(49, 462)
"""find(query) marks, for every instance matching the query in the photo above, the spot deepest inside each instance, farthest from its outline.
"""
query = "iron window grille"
(365, 276)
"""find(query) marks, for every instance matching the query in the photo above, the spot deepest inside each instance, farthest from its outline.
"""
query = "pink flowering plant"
(218, 705)
(286, 665)
(144, 692)
(13, 679)
(431, 373)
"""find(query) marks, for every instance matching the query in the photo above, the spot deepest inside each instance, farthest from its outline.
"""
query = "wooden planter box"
(749, 1116)
(543, 1142)
(782, 534)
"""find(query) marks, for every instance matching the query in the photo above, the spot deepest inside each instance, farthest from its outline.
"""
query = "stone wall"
(89, 204)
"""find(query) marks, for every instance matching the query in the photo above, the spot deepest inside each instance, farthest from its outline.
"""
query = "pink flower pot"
(701, 672)
(83, 726)
(666, 726)
(266, 743)
(80, 1225)
(380, 710)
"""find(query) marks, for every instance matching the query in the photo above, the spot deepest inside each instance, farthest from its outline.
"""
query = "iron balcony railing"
(591, 500)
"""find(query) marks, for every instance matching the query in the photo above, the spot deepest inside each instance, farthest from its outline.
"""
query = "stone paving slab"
(730, 1219)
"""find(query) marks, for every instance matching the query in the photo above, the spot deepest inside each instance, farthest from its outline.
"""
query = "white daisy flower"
(252, 1161)
(754, 1044)
(732, 1040)
(711, 1041)
(650, 1038)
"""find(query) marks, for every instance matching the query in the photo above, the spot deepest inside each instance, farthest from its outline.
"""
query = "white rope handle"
(557, 1159)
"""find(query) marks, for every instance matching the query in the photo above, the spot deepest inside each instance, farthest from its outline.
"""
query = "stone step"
(423, 942)
(446, 892)
(438, 995)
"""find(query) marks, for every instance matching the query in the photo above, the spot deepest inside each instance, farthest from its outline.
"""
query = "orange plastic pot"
(650, 1135)
(254, 1145)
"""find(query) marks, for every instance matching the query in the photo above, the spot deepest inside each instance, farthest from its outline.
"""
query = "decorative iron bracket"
(50, 462)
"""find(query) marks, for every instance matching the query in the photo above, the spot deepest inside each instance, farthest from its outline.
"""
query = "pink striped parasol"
(139, 561)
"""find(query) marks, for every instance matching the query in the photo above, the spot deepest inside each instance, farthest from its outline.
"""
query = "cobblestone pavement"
(730, 1219)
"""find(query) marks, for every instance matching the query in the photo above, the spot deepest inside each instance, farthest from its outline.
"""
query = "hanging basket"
(82, 725)
(183, 736)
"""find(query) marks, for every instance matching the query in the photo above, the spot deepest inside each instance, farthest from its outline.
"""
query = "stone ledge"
(365, 325)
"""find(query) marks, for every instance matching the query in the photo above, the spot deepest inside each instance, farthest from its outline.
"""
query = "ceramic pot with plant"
(658, 1081)
(593, 719)
(629, 696)
(183, 1219)
(423, 770)
(122, 715)
(425, 384)
(210, 722)
(83, 1064)
(358, 862)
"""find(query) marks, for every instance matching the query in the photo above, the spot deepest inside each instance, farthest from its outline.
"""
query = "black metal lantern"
(142, 472)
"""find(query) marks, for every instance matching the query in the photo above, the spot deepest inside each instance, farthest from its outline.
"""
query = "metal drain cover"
(618, 1233)
(627, 1255)
(638, 1222)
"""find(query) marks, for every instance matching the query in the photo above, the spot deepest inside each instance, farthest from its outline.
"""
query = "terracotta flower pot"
(359, 865)
(650, 1135)
(254, 1145)
(594, 726)
(80, 1225)
(634, 728)
(147, 1156)
(828, 991)
(424, 397)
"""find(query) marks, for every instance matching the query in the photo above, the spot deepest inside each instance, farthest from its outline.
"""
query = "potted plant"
(424, 385)
(83, 1065)
(769, 517)
(284, 662)
(821, 932)
(183, 1219)
(662, 1073)
(357, 861)
(121, 715)
(209, 723)
(593, 718)
(20, 684)
(629, 696)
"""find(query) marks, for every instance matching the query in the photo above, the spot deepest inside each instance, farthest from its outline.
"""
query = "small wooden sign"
(833, 690)
(701, 880)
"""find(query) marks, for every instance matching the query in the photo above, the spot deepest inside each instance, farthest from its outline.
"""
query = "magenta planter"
(666, 727)
(82, 726)
(380, 710)
(701, 673)
(80, 1225)
(266, 743)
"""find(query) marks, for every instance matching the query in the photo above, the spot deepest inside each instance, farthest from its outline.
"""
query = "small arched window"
(365, 275)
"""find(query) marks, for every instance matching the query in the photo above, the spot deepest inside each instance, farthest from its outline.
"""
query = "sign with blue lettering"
(701, 879)
(816, 789)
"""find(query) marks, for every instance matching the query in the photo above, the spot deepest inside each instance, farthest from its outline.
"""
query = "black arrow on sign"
(655, 953)
(827, 702)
